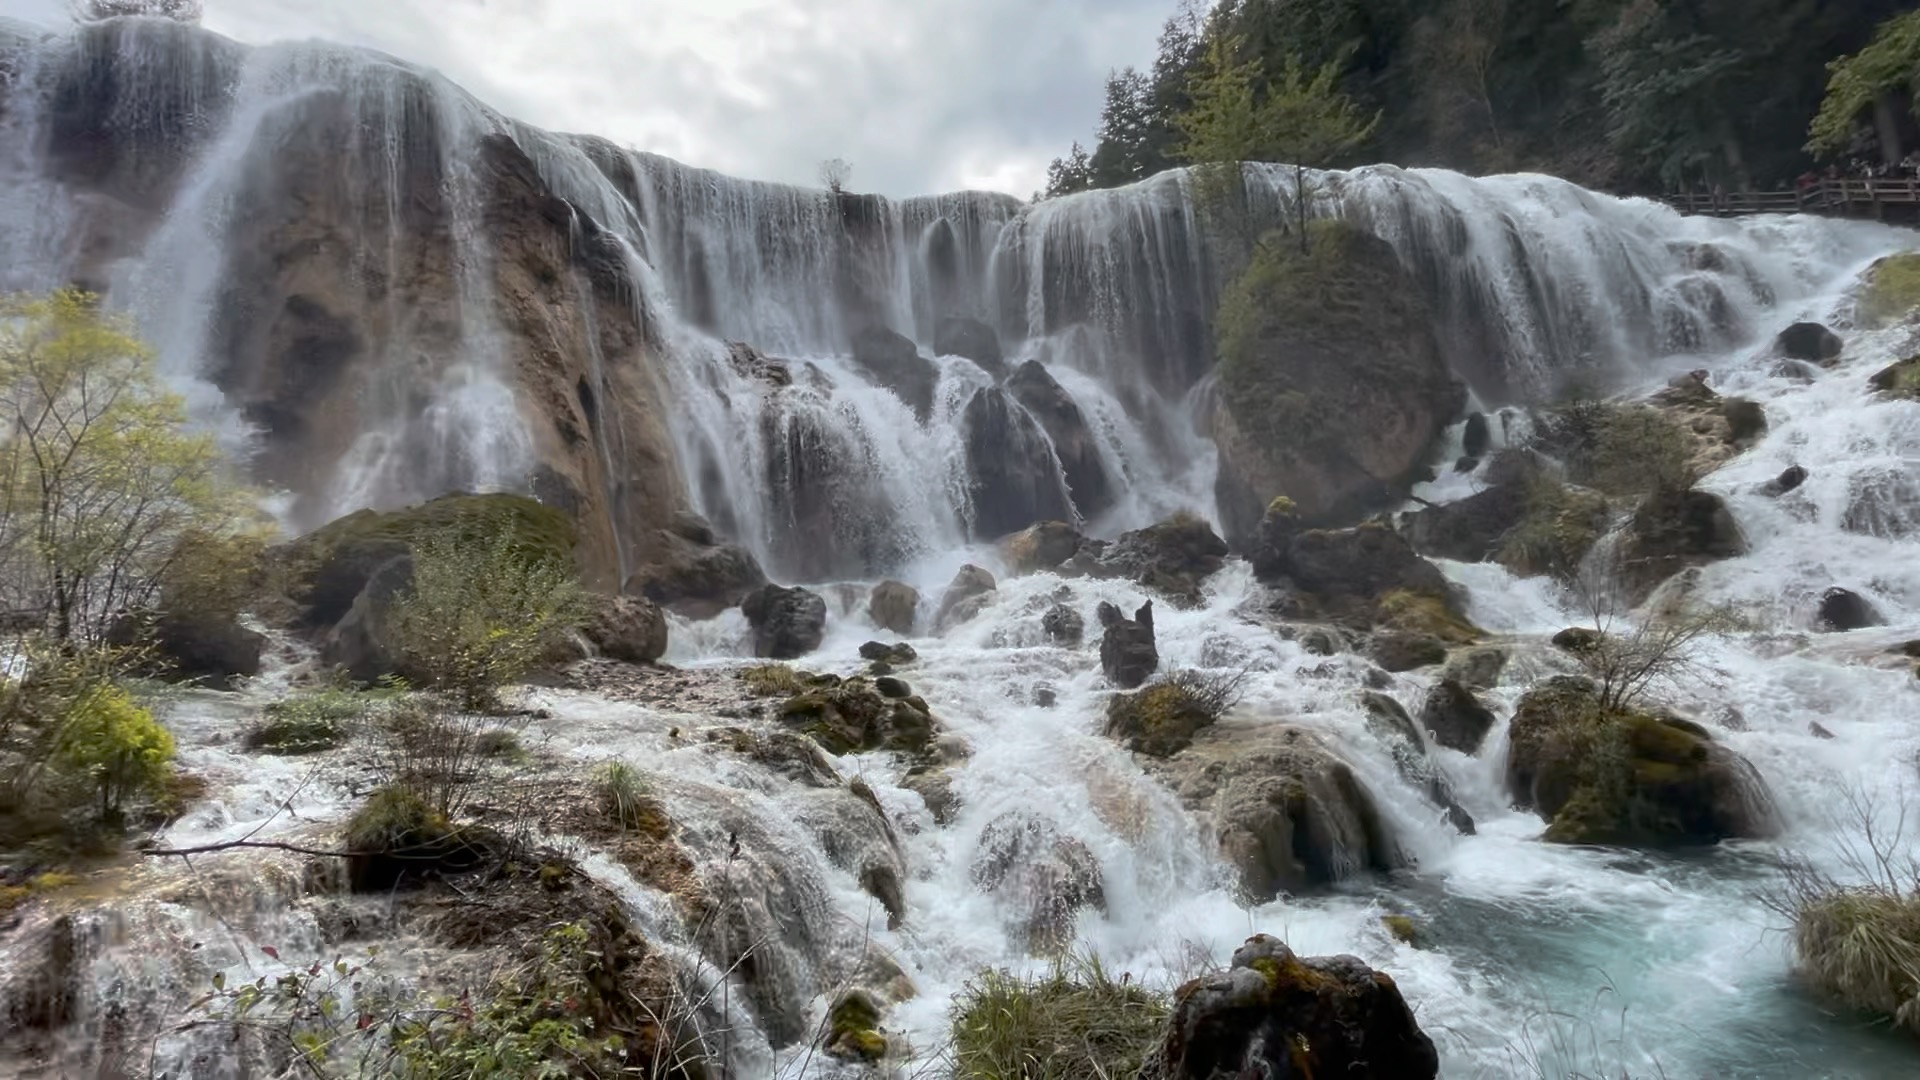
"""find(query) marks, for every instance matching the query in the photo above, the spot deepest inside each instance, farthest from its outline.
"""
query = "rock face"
(626, 628)
(1273, 1014)
(1457, 719)
(1127, 651)
(787, 623)
(1073, 441)
(1620, 776)
(1291, 816)
(894, 362)
(1334, 387)
(973, 339)
(1842, 610)
(970, 590)
(1045, 877)
(1809, 341)
(1672, 531)
(1016, 478)
(894, 606)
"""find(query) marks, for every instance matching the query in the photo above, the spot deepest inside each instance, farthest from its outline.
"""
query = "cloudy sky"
(920, 95)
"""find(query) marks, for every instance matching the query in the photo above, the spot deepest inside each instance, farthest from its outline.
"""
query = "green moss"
(1420, 613)
(1283, 506)
(852, 717)
(311, 723)
(1900, 380)
(541, 531)
(1561, 525)
(1893, 289)
(853, 1029)
(1269, 967)
(395, 818)
(1401, 927)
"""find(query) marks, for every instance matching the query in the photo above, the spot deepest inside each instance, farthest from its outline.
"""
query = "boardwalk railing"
(1849, 198)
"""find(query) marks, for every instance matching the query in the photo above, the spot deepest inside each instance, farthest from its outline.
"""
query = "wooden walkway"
(1887, 199)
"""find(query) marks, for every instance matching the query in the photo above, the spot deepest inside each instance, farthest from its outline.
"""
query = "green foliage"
(101, 479)
(312, 722)
(1889, 65)
(622, 793)
(115, 742)
(1561, 525)
(396, 819)
(482, 611)
(1661, 85)
(1893, 289)
(1626, 449)
(1074, 1023)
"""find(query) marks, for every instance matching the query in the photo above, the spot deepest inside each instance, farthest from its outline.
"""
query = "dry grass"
(774, 680)
(1076, 1023)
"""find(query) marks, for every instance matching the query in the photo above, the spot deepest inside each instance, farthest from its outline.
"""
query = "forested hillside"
(1618, 94)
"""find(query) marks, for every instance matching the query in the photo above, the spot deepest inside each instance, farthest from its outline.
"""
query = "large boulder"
(205, 650)
(1364, 576)
(1455, 717)
(1611, 775)
(894, 362)
(971, 589)
(1809, 341)
(851, 716)
(1276, 1015)
(1171, 558)
(956, 335)
(1899, 381)
(787, 623)
(1016, 479)
(894, 606)
(1291, 816)
(1073, 441)
(1843, 609)
(1469, 530)
(694, 573)
(1334, 388)
(1127, 651)
(1389, 722)
(1045, 546)
(1043, 875)
(1672, 531)
(361, 642)
(630, 629)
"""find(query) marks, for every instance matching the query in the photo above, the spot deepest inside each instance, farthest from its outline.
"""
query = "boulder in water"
(1367, 575)
(1814, 729)
(1073, 442)
(206, 650)
(893, 361)
(893, 606)
(1789, 479)
(1275, 1014)
(880, 652)
(1477, 436)
(1046, 876)
(1608, 775)
(1041, 547)
(1398, 652)
(1160, 720)
(853, 717)
(1578, 640)
(1843, 609)
(1810, 341)
(1173, 558)
(1672, 531)
(1457, 719)
(694, 573)
(787, 623)
(956, 335)
(1900, 381)
(970, 591)
(1016, 477)
(1127, 651)
(1477, 669)
(1063, 625)
(751, 363)
(630, 629)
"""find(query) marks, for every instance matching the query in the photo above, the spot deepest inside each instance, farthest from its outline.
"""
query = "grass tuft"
(622, 792)
(1075, 1022)
(774, 680)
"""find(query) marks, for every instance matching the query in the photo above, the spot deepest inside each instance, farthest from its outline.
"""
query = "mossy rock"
(1893, 289)
(397, 837)
(1427, 614)
(853, 717)
(1559, 527)
(853, 1028)
(1158, 720)
(1900, 381)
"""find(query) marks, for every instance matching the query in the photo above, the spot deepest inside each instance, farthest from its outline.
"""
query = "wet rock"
(1477, 436)
(1746, 421)
(1389, 722)
(890, 687)
(1321, 641)
(1577, 640)
(1044, 875)
(1842, 610)
(1909, 649)
(1127, 651)
(1471, 529)
(695, 574)
(1788, 480)
(1620, 776)
(788, 753)
(751, 363)
(1366, 576)
(206, 650)
(1883, 501)
(1274, 1014)
(1457, 719)
(935, 788)
(853, 717)
(787, 623)
(1398, 652)
(1073, 442)
(853, 1029)
(1900, 381)
(1160, 720)
(893, 606)
(1045, 697)
(630, 629)
(1810, 341)
(1477, 669)
(1291, 816)
(361, 642)
(1173, 557)
(1040, 547)
(971, 589)
(1673, 531)
(1016, 477)
(1063, 625)
(894, 362)
(1814, 729)
(898, 653)
(960, 336)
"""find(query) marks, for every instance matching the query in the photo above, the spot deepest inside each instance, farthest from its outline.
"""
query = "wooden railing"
(1849, 198)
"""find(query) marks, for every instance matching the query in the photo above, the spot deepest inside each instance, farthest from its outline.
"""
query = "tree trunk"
(1300, 203)
(1886, 123)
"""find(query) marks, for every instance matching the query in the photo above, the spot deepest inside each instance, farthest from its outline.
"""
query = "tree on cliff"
(1869, 83)
(834, 174)
(101, 477)
(95, 10)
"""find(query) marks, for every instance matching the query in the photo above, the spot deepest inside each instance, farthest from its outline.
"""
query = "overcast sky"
(920, 95)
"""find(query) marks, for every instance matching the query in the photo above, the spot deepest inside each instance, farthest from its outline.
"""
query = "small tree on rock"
(835, 173)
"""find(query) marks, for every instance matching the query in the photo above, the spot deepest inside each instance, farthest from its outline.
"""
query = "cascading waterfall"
(164, 164)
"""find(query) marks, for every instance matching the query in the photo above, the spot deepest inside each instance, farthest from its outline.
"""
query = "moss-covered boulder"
(853, 1029)
(1899, 381)
(1275, 1014)
(1334, 389)
(1456, 718)
(1610, 775)
(1364, 577)
(1892, 292)
(207, 650)
(1172, 557)
(1672, 531)
(853, 717)
(1159, 720)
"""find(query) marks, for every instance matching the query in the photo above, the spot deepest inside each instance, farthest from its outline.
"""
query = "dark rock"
(361, 643)
(754, 364)
(1073, 441)
(1045, 697)
(1477, 437)
(788, 753)
(695, 575)
(1127, 651)
(852, 717)
(1901, 381)
(1041, 547)
(1619, 776)
(1049, 876)
(897, 653)
(1842, 610)
(1173, 557)
(1810, 341)
(1471, 529)
(630, 629)
(973, 339)
(1355, 573)
(1789, 479)
(1016, 478)
(208, 651)
(1672, 531)
(1388, 720)
(1063, 625)
(1321, 641)
(1273, 1014)
(1578, 640)
(1272, 541)
(894, 362)
(787, 623)
(893, 606)
(1746, 421)
(1456, 718)
(1814, 729)
(970, 591)
(1909, 649)
(1398, 652)
(890, 687)
(1478, 669)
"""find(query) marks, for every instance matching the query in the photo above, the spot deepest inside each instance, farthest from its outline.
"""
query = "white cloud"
(921, 95)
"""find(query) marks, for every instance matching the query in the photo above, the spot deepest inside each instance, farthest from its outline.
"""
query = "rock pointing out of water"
(787, 623)
(893, 361)
(1073, 441)
(1127, 651)
(1041, 875)
(1809, 341)
(1843, 609)
(1017, 479)
(971, 589)
(1272, 1014)
(894, 606)
(1457, 719)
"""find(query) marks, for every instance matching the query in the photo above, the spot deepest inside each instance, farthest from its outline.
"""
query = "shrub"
(1633, 449)
(1161, 719)
(1560, 526)
(622, 793)
(1075, 1022)
(311, 723)
(119, 746)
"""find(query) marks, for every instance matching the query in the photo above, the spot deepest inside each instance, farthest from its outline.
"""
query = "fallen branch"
(270, 845)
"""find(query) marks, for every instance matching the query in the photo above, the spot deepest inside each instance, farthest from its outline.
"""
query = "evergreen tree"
(1868, 82)
(1071, 173)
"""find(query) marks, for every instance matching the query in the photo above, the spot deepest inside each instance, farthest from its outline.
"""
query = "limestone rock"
(1388, 720)
(1127, 651)
(1477, 669)
(1046, 876)
(361, 642)
(1173, 557)
(1159, 720)
(970, 590)
(694, 573)
(960, 336)
(1672, 531)
(1456, 719)
(1073, 441)
(1016, 477)
(630, 629)
(894, 606)
(852, 717)
(787, 623)
(1789, 479)
(1398, 652)
(204, 650)
(1041, 547)
(1900, 381)
(893, 361)
(1063, 625)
